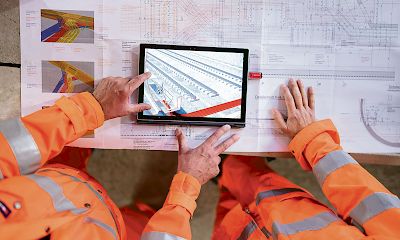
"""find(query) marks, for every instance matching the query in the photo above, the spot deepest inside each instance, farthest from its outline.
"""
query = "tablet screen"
(193, 84)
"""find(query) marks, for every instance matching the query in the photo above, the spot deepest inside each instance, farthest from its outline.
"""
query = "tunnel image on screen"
(193, 83)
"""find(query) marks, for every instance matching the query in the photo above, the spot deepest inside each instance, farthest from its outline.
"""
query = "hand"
(113, 94)
(300, 106)
(202, 162)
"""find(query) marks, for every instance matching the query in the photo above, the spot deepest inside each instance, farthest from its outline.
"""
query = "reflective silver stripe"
(60, 202)
(330, 163)
(373, 205)
(160, 236)
(102, 225)
(247, 231)
(314, 223)
(22, 144)
(275, 192)
(98, 195)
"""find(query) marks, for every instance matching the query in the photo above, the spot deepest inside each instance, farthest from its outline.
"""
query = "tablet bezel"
(205, 121)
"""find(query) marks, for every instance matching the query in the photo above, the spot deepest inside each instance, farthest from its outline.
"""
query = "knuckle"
(215, 170)
(286, 91)
(219, 132)
(225, 146)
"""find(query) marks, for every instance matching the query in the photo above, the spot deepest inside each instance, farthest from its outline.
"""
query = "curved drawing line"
(372, 132)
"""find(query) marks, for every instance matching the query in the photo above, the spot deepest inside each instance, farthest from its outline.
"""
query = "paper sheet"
(349, 51)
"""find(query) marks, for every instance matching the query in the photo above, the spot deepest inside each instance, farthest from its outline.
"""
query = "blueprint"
(349, 51)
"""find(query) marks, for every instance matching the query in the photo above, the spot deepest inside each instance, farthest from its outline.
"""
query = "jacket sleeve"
(172, 220)
(27, 143)
(348, 186)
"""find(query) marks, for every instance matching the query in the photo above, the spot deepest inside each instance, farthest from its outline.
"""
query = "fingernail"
(177, 131)
(301, 82)
(148, 74)
(226, 127)
(236, 137)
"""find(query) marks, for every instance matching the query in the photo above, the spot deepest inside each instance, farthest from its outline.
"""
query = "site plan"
(349, 51)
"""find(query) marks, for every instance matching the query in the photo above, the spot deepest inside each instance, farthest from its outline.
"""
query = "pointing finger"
(135, 82)
(135, 108)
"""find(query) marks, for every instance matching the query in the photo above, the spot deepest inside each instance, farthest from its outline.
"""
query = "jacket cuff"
(300, 142)
(183, 192)
(83, 110)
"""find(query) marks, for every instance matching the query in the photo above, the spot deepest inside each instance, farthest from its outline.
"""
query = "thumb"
(135, 108)
(279, 120)
(181, 140)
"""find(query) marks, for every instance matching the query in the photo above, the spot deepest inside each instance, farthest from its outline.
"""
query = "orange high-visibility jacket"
(54, 201)
(279, 209)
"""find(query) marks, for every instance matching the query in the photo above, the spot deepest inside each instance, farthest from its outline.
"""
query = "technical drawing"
(332, 23)
(67, 26)
(194, 84)
(208, 22)
(382, 120)
(347, 50)
(67, 77)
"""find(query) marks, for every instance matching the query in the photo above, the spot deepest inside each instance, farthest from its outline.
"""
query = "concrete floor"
(144, 175)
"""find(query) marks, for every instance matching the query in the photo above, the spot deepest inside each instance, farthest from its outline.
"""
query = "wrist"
(91, 108)
(190, 174)
(101, 104)
(184, 191)
(306, 136)
(320, 146)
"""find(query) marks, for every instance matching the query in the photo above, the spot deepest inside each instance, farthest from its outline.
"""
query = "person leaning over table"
(257, 203)
(48, 195)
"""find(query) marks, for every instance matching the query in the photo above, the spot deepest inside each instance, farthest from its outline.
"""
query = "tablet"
(194, 85)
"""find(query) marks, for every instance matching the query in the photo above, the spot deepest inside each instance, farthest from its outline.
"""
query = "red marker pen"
(255, 75)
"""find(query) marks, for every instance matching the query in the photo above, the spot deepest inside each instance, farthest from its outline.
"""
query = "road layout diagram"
(349, 51)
